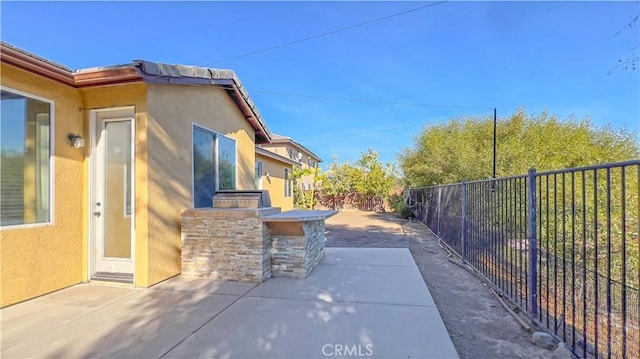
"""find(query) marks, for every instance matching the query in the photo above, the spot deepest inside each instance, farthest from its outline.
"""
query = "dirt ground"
(477, 323)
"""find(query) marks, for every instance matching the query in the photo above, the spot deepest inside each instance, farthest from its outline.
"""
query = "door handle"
(97, 213)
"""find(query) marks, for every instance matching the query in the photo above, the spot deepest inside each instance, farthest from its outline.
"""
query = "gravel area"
(477, 323)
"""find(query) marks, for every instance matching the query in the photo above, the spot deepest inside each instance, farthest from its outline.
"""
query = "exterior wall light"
(76, 140)
(266, 174)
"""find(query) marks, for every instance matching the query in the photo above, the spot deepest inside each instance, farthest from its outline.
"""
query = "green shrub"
(399, 206)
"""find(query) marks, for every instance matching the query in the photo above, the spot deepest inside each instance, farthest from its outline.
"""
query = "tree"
(631, 62)
(365, 179)
(376, 180)
(462, 148)
(302, 198)
(340, 179)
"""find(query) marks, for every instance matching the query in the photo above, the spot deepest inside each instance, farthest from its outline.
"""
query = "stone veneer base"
(295, 256)
(226, 244)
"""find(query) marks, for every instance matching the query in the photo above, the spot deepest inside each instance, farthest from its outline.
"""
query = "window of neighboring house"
(214, 165)
(258, 174)
(312, 163)
(287, 182)
(292, 154)
(25, 159)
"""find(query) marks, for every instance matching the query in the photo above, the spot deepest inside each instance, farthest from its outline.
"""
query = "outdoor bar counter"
(297, 241)
(241, 237)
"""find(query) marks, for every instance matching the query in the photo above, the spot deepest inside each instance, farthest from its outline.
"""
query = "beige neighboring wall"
(274, 183)
(282, 149)
(172, 111)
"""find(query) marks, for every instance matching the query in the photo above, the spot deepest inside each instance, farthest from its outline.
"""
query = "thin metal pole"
(439, 209)
(533, 265)
(624, 260)
(495, 128)
(464, 221)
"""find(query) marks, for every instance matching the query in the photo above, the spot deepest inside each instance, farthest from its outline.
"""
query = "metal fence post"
(533, 250)
(464, 222)
(439, 209)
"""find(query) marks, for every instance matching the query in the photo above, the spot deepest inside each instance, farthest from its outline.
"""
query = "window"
(226, 162)
(312, 163)
(258, 174)
(25, 158)
(214, 165)
(287, 182)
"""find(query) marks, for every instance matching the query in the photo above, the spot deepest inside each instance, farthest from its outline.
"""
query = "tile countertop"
(299, 216)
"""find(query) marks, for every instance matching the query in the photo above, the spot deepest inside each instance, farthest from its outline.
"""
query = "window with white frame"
(25, 159)
(258, 174)
(287, 182)
(214, 165)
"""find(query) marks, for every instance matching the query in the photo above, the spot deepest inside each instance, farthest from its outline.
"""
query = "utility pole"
(495, 126)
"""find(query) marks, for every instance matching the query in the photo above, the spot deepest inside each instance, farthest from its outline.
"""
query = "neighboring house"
(273, 174)
(98, 164)
(287, 147)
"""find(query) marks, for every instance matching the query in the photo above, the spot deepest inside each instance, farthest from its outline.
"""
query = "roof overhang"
(141, 71)
(276, 140)
(48, 69)
(25, 61)
(275, 156)
(191, 75)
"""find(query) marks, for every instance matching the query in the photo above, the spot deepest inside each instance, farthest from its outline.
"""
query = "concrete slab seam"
(205, 292)
(200, 327)
(341, 301)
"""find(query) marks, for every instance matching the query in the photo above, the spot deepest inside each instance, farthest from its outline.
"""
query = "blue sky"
(473, 56)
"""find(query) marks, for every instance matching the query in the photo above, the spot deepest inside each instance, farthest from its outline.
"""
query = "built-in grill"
(242, 199)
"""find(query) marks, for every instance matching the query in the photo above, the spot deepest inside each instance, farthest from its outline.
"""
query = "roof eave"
(262, 133)
(297, 144)
(275, 156)
(107, 76)
(153, 73)
(31, 63)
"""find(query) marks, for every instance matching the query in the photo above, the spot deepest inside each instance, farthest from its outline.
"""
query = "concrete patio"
(367, 302)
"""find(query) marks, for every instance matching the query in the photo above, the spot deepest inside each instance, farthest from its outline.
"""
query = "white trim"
(93, 127)
(52, 162)
(288, 184)
(260, 174)
(91, 150)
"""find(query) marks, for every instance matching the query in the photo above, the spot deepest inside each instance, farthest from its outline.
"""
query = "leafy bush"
(399, 206)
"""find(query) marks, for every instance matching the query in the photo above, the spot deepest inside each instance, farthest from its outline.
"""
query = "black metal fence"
(563, 246)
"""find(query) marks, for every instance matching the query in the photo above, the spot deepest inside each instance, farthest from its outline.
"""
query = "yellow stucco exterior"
(274, 182)
(285, 149)
(134, 95)
(173, 110)
(39, 259)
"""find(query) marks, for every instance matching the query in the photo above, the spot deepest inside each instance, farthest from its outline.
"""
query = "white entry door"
(113, 195)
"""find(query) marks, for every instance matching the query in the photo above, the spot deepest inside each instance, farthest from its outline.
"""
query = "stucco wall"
(283, 150)
(39, 259)
(274, 183)
(172, 111)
